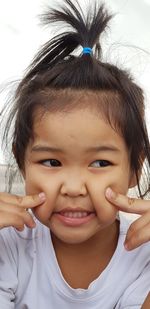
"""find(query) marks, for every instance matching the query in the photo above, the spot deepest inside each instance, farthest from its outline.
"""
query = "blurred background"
(127, 42)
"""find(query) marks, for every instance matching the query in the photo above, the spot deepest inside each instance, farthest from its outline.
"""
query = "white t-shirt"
(30, 277)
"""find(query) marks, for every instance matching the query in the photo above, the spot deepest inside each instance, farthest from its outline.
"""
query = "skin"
(89, 157)
(14, 210)
(139, 231)
(81, 179)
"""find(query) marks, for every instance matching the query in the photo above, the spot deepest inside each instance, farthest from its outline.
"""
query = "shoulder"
(13, 241)
(135, 268)
(17, 249)
(18, 252)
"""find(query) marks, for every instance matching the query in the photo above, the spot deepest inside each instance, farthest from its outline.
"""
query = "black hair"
(58, 72)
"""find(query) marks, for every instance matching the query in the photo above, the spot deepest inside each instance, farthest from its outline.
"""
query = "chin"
(72, 237)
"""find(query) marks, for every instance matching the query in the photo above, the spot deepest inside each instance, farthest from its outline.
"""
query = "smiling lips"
(74, 217)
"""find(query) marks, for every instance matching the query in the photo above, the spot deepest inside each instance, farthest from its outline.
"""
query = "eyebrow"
(111, 148)
(42, 148)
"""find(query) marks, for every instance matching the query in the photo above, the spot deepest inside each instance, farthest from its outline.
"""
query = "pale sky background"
(21, 36)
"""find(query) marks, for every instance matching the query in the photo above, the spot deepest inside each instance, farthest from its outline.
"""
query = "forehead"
(82, 127)
(61, 102)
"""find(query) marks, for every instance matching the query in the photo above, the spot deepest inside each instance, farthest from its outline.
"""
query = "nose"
(74, 185)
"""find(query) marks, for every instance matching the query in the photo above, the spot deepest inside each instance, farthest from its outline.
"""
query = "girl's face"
(74, 157)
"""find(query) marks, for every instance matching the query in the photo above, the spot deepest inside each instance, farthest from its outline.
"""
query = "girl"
(79, 137)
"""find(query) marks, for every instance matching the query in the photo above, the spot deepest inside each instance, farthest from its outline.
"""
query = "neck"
(80, 264)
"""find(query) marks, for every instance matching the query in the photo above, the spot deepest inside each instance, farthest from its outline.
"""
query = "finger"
(28, 219)
(139, 223)
(16, 219)
(15, 210)
(138, 238)
(127, 204)
(134, 236)
(7, 219)
(28, 201)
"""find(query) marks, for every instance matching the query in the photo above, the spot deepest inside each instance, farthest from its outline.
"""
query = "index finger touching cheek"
(27, 201)
(31, 201)
(127, 204)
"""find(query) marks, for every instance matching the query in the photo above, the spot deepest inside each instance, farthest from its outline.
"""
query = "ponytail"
(84, 32)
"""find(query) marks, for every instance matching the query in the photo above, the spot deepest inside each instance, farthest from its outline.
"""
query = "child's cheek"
(35, 185)
(106, 212)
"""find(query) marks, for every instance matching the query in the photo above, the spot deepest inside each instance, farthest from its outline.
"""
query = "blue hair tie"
(87, 50)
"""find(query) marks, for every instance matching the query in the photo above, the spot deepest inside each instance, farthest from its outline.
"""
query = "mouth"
(74, 217)
(75, 214)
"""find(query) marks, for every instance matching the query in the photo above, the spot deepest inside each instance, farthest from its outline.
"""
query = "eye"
(100, 163)
(51, 163)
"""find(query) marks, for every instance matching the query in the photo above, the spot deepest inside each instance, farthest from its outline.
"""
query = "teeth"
(78, 214)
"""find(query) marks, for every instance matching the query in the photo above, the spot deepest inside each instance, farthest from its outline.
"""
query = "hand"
(14, 210)
(139, 230)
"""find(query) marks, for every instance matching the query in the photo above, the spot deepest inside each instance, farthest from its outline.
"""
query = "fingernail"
(126, 246)
(42, 196)
(110, 194)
